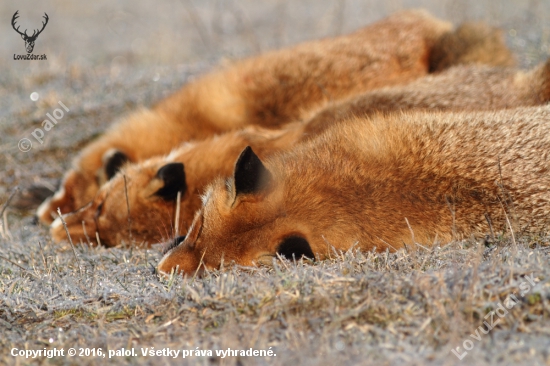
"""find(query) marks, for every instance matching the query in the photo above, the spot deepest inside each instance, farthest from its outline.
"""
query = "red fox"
(377, 182)
(139, 202)
(152, 215)
(274, 89)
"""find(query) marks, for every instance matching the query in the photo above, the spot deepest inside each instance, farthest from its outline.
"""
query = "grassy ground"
(410, 307)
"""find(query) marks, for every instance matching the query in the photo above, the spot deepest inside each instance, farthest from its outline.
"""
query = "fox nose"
(80, 227)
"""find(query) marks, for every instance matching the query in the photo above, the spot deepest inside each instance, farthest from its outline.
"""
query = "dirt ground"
(104, 59)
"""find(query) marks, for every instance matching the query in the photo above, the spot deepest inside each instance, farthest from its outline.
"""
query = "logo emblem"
(29, 40)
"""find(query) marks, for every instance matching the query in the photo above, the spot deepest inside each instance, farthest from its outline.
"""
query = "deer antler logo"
(29, 40)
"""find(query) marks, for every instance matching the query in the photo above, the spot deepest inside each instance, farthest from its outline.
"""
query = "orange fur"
(151, 215)
(269, 90)
(462, 87)
(378, 182)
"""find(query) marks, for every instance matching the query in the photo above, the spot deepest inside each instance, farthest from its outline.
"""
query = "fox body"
(271, 90)
(377, 182)
(461, 87)
(139, 203)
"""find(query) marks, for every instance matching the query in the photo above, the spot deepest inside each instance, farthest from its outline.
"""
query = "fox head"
(78, 189)
(252, 218)
(138, 202)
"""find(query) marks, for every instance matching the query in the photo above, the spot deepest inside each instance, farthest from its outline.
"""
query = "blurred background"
(169, 32)
(106, 58)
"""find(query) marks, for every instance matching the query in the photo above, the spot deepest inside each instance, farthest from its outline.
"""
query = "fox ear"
(250, 174)
(113, 161)
(173, 177)
(295, 247)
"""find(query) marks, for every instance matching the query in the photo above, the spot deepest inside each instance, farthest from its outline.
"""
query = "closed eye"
(196, 228)
(98, 210)
(174, 243)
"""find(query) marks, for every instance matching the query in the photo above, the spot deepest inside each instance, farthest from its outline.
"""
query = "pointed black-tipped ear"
(114, 162)
(295, 247)
(250, 173)
(173, 176)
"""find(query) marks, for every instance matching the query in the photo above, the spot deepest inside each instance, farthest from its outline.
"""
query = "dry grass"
(371, 308)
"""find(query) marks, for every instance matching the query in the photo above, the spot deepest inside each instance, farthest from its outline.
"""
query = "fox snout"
(75, 192)
(180, 258)
(46, 211)
(80, 225)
